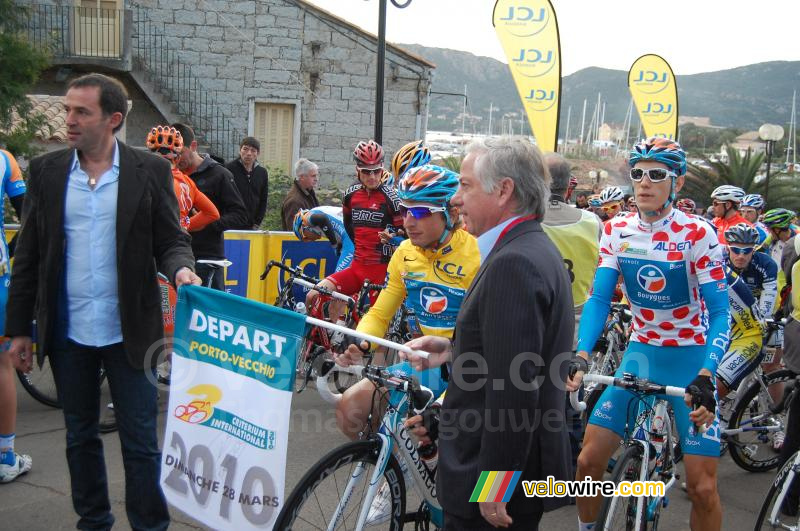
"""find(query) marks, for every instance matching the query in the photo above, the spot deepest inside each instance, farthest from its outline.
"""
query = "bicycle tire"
(772, 497)
(346, 456)
(627, 468)
(40, 384)
(740, 450)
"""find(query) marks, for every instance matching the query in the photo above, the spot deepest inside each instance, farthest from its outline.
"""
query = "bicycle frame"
(792, 468)
(393, 436)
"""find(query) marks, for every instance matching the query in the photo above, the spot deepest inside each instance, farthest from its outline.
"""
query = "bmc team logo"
(651, 279)
(522, 21)
(651, 82)
(433, 300)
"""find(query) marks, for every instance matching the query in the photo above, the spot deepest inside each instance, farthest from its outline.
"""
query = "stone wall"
(286, 50)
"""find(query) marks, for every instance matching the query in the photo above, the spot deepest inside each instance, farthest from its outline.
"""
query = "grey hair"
(518, 160)
(560, 173)
(303, 166)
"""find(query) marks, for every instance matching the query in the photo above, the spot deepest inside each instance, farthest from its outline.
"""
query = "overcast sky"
(692, 35)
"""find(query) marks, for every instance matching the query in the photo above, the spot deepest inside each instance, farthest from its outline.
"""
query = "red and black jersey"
(366, 213)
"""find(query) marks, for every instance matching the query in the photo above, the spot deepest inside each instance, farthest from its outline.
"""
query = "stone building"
(295, 76)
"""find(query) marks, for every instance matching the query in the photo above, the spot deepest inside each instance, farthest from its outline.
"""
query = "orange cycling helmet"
(412, 155)
(164, 137)
(368, 153)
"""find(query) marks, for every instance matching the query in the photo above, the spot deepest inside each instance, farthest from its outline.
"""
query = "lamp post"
(769, 133)
(379, 76)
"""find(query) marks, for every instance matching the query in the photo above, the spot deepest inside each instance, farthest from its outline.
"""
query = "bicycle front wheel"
(622, 512)
(320, 500)
(770, 516)
(751, 448)
(40, 384)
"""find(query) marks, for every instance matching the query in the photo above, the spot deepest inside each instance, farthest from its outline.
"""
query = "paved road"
(40, 500)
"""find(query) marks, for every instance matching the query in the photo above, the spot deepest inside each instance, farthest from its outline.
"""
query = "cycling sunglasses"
(373, 171)
(741, 250)
(615, 206)
(419, 212)
(656, 175)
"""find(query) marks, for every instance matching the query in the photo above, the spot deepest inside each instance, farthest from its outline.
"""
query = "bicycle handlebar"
(335, 294)
(421, 396)
(634, 384)
(294, 271)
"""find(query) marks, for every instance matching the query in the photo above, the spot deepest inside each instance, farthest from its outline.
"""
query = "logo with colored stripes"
(495, 486)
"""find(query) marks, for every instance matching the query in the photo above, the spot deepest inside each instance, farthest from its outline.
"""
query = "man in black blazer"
(99, 220)
(504, 408)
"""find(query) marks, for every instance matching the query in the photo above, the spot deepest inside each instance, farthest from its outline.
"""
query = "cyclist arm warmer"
(769, 290)
(715, 296)
(17, 202)
(206, 211)
(595, 311)
(377, 319)
(318, 219)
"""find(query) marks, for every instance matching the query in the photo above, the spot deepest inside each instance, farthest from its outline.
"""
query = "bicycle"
(770, 515)
(360, 466)
(755, 416)
(608, 351)
(647, 455)
(41, 385)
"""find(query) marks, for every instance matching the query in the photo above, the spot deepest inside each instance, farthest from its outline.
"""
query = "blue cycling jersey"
(326, 219)
(761, 276)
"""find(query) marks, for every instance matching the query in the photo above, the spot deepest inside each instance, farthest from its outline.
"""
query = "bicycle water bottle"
(300, 308)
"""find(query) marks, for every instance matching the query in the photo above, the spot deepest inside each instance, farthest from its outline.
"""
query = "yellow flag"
(655, 94)
(528, 31)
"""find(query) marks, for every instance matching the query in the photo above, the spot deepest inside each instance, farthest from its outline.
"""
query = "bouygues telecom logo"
(650, 81)
(522, 21)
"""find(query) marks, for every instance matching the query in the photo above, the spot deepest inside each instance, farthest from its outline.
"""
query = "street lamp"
(769, 133)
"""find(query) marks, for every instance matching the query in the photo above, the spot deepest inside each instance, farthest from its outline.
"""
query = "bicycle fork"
(359, 475)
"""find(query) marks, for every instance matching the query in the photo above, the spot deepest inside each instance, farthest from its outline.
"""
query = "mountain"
(743, 97)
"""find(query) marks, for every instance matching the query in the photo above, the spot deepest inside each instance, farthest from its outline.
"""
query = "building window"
(97, 28)
(274, 128)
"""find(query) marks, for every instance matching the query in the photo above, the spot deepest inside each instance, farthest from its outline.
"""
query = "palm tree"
(741, 171)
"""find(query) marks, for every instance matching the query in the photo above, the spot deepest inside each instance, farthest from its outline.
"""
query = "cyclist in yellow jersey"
(431, 271)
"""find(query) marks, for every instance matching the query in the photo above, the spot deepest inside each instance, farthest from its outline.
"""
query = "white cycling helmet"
(727, 192)
(611, 194)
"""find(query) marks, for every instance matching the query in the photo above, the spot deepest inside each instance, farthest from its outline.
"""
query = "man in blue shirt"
(100, 219)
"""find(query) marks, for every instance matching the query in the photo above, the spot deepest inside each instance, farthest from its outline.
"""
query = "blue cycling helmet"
(301, 226)
(663, 150)
(433, 185)
(753, 201)
(742, 233)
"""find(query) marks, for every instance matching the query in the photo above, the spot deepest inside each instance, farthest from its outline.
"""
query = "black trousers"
(526, 522)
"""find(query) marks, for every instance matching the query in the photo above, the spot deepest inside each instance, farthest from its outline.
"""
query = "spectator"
(252, 181)
(582, 200)
(301, 195)
(216, 182)
(104, 212)
(502, 195)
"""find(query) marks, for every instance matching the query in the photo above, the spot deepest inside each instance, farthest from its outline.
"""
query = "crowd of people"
(500, 269)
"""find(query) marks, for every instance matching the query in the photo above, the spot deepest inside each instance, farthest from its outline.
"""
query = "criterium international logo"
(200, 410)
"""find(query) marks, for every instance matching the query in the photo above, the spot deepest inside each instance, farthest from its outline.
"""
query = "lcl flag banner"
(655, 94)
(230, 399)
(528, 31)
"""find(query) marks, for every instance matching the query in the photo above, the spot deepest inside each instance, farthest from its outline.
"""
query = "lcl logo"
(655, 107)
(541, 95)
(525, 14)
(649, 76)
(532, 55)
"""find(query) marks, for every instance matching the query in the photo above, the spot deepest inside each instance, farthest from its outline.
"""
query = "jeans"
(527, 522)
(76, 369)
(204, 271)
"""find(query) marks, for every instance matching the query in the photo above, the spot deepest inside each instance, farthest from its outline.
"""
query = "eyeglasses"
(656, 175)
(718, 203)
(372, 171)
(741, 250)
(607, 208)
(419, 212)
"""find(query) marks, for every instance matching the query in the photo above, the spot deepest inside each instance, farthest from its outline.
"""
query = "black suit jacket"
(519, 302)
(148, 237)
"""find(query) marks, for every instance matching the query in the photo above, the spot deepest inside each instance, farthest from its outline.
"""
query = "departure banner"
(528, 32)
(227, 431)
(652, 85)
